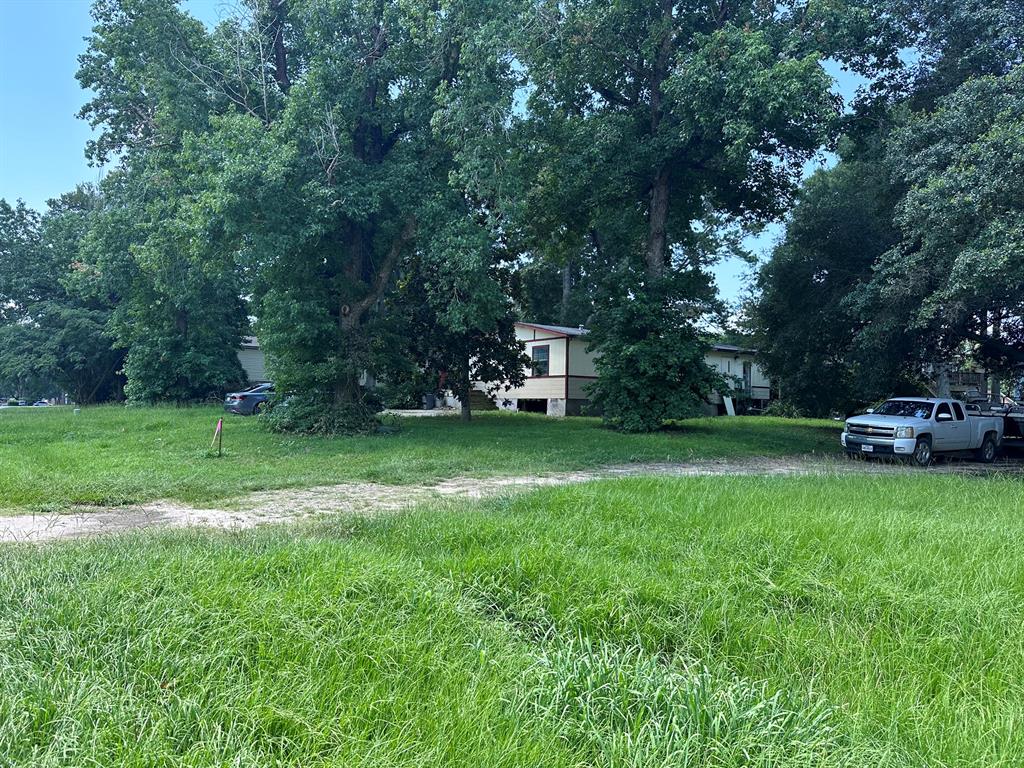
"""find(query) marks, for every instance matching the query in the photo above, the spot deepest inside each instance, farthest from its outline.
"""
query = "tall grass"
(851, 621)
(52, 458)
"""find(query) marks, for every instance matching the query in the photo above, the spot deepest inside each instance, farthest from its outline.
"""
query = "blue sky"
(42, 142)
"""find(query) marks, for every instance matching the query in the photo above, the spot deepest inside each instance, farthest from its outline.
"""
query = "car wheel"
(922, 456)
(987, 453)
(257, 409)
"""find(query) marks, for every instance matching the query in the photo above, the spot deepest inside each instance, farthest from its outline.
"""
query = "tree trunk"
(346, 390)
(997, 332)
(563, 316)
(465, 388)
(656, 256)
(942, 384)
(658, 225)
(277, 12)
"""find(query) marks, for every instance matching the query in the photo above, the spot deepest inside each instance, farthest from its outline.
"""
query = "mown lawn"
(50, 459)
(811, 621)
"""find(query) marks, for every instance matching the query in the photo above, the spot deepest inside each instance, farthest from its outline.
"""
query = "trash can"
(429, 401)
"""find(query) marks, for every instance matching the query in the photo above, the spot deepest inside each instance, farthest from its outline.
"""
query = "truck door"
(945, 429)
(949, 433)
(963, 434)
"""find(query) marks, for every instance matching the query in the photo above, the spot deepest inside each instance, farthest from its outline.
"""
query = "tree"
(180, 314)
(655, 122)
(457, 314)
(333, 199)
(807, 326)
(851, 292)
(961, 227)
(50, 333)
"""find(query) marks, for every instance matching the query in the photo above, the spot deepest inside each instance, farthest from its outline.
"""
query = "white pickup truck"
(917, 428)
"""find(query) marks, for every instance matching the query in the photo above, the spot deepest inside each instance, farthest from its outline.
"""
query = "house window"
(540, 357)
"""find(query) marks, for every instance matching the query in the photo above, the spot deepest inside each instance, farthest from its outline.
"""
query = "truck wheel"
(922, 456)
(986, 454)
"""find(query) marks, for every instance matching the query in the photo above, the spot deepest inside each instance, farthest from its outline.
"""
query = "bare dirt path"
(287, 505)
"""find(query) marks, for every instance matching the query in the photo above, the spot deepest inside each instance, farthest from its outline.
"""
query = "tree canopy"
(885, 291)
(380, 189)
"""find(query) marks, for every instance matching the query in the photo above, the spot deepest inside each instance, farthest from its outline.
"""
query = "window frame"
(533, 361)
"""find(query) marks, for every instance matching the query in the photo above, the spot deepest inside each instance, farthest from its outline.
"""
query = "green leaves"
(53, 327)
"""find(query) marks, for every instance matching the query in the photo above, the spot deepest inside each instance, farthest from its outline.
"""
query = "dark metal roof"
(733, 348)
(562, 330)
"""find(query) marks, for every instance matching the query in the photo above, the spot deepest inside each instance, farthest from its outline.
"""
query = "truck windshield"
(911, 408)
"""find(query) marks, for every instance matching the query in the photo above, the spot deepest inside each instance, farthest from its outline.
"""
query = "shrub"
(784, 409)
(304, 414)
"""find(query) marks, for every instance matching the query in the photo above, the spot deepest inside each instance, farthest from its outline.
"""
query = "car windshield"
(261, 388)
(910, 408)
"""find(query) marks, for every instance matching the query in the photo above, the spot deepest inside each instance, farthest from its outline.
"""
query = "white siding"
(581, 361)
(253, 363)
(536, 389)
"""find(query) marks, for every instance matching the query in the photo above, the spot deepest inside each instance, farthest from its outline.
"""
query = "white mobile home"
(561, 369)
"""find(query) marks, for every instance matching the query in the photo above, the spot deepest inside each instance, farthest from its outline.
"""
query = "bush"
(651, 367)
(403, 393)
(784, 409)
(308, 415)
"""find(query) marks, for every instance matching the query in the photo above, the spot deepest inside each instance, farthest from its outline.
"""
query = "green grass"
(815, 621)
(51, 459)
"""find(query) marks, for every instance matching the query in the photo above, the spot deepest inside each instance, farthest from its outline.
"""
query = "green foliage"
(808, 328)
(303, 414)
(455, 314)
(651, 366)
(651, 133)
(904, 259)
(961, 224)
(180, 315)
(335, 185)
(53, 335)
(784, 409)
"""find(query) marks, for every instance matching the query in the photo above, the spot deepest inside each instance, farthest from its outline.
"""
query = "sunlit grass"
(816, 621)
(52, 458)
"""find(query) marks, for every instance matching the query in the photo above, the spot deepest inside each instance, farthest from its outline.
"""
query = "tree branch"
(380, 283)
(612, 97)
(278, 11)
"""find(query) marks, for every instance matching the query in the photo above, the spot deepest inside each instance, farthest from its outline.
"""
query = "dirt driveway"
(288, 505)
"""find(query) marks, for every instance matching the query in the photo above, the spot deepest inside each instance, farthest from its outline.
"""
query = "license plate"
(868, 448)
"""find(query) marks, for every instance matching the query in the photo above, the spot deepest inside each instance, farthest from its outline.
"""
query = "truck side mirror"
(870, 410)
(944, 417)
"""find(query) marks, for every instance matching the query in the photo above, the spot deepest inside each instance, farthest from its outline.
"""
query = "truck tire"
(986, 454)
(922, 456)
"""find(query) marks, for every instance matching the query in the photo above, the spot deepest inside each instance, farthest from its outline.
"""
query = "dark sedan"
(250, 402)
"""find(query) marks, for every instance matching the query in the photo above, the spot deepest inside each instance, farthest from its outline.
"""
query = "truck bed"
(1013, 421)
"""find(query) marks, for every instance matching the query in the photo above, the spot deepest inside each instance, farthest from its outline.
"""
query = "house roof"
(564, 330)
(734, 349)
(561, 330)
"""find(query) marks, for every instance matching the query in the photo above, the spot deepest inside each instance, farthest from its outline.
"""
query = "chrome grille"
(863, 431)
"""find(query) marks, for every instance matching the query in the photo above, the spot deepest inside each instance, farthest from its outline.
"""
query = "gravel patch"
(289, 505)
